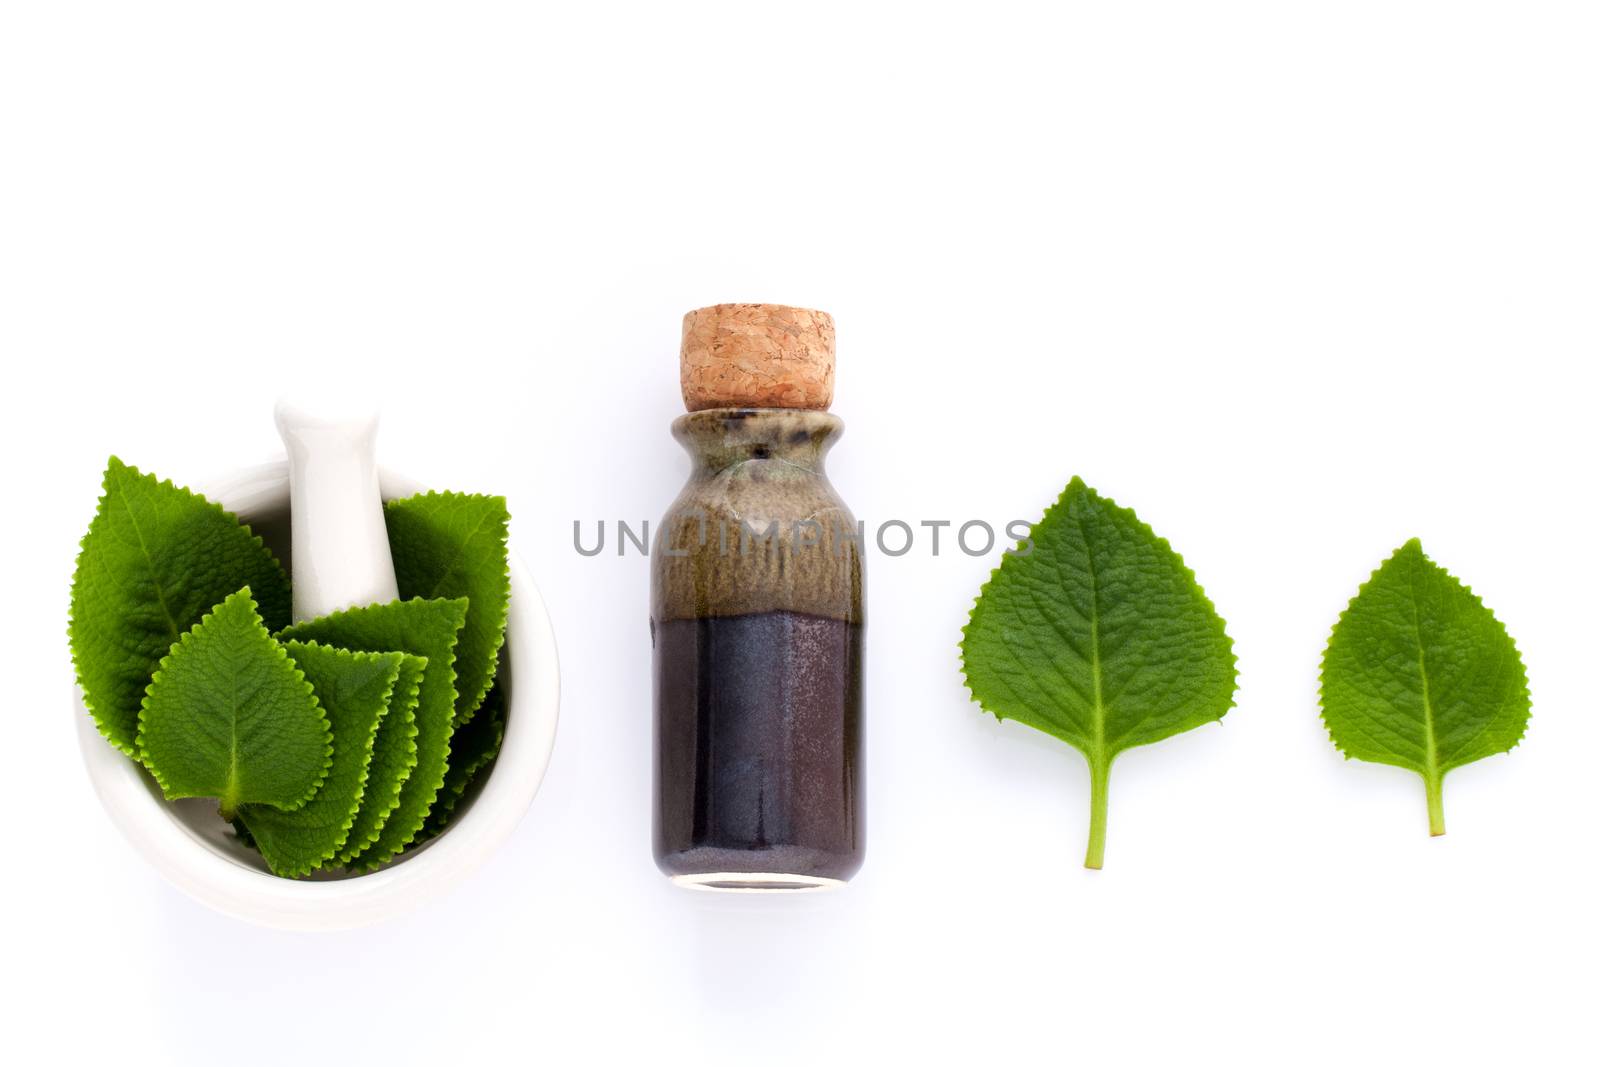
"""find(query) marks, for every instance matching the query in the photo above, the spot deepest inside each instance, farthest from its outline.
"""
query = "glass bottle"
(756, 616)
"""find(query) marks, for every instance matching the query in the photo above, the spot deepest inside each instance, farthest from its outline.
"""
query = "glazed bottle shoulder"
(757, 526)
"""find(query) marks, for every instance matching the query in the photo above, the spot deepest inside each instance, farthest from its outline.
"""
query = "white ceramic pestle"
(340, 549)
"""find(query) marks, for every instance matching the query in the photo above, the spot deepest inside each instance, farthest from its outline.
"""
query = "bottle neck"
(719, 438)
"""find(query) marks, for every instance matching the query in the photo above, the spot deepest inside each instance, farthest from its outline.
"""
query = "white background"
(1297, 281)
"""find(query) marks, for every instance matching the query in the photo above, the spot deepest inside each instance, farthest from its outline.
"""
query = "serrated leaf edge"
(301, 870)
(356, 863)
(105, 491)
(349, 849)
(445, 804)
(184, 639)
(1322, 667)
(465, 715)
(1161, 542)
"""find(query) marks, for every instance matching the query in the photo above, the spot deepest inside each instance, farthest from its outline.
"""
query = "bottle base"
(779, 868)
(756, 882)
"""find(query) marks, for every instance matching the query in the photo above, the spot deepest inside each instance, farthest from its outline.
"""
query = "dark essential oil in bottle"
(756, 617)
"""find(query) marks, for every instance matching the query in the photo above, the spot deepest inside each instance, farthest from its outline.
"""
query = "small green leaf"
(472, 749)
(1098, 636)
(354, 689)
(1418, 673)
(155, 560)
(426, 628)
(454, 545)
(229, 715)
(394, 756)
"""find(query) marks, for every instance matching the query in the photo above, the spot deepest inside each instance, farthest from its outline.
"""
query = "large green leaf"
(230, 716)
(1418, 673)
(1100, 636)
(454, 545)
(426, 628)
(155, 560)
(355, 690)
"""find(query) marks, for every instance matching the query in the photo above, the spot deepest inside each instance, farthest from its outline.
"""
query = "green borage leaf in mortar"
(394, 757)
(472, 748)
(229, 715)
(1099, 636)
(155, 560)
(426, 628)
(356, 690)
(454, 545)
(1418, 673)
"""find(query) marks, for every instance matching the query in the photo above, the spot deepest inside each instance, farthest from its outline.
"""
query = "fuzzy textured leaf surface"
(394, 756)
(426, 628)
(354, 689)
(1418, 673)
(230, 716)
(155, 560)
(1100, 636)
(472, 749)
(454, 545)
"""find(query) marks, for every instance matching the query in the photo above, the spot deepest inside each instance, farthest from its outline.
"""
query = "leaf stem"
(1099, 791)
(1434, 783)
(228, 802)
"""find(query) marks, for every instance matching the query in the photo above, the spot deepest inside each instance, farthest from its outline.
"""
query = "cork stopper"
(757, 356)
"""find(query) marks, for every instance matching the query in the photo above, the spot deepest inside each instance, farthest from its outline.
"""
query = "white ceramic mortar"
(197, 851)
